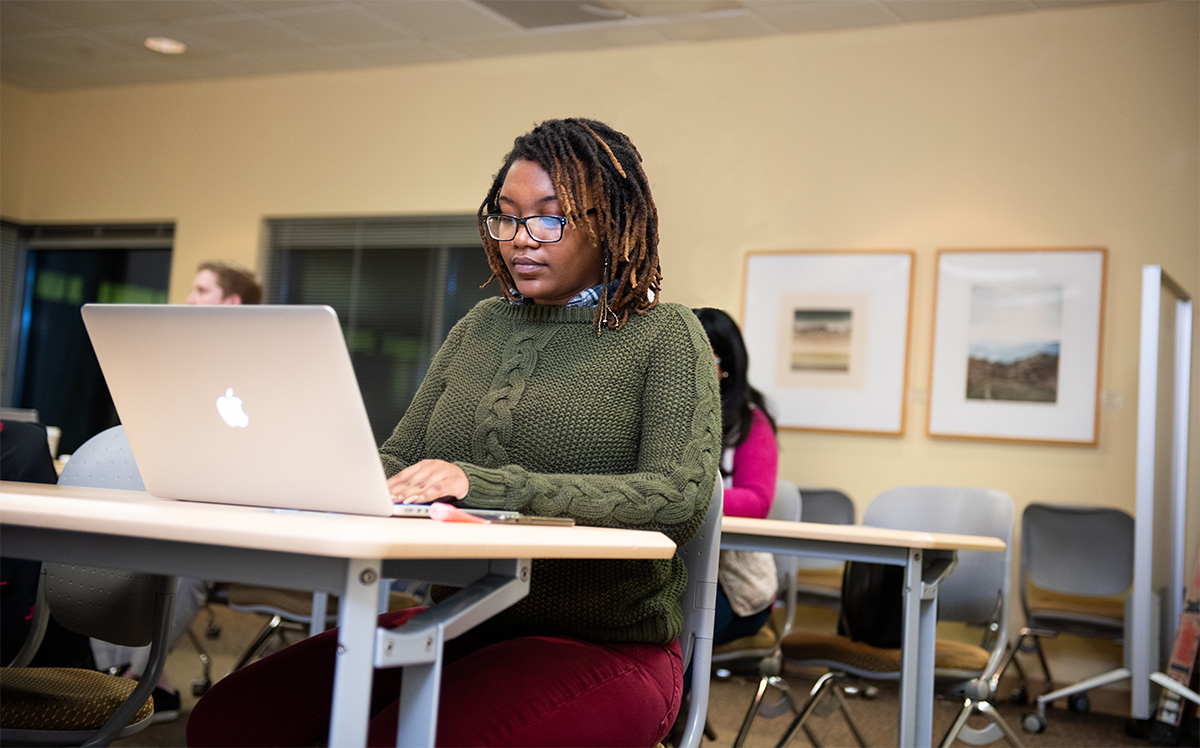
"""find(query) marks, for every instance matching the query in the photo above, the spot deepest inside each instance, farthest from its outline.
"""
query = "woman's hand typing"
(428, 480)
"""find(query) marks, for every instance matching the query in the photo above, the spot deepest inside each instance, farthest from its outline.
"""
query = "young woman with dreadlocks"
(575, 393)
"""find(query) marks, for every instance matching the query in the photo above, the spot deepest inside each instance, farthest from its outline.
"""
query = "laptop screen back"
(253, 405)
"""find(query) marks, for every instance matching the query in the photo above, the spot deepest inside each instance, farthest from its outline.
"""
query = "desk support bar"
(352, 673)
(417, 646)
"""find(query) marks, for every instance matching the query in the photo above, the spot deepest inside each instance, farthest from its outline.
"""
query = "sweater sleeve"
(679, 448)
(755, 467)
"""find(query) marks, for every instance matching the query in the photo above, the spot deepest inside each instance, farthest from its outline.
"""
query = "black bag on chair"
(872, 604)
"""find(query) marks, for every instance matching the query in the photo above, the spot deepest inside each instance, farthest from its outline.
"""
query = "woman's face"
(547, 273)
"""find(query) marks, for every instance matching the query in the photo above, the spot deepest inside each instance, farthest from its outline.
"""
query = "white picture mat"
(1072, 418)
(883, 279)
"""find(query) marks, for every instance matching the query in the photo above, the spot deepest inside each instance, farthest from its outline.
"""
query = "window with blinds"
(49, 272)
(398, 284)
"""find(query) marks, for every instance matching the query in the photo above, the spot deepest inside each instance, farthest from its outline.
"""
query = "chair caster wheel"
(1034, 723)
(200, 687)
(1019, 697)
(1079, 703)
(212, 631)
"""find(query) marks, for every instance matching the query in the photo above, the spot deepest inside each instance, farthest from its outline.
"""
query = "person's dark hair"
(736, 393)
(593, 168)
(235, 279)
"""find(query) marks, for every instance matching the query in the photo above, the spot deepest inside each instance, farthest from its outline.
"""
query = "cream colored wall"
(1077, 127)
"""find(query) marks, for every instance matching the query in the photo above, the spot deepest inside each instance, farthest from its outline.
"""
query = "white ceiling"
(60, 44)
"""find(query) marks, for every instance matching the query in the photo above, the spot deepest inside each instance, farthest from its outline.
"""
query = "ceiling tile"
(179, 10)
(82, 14)
(335, 25)
(83, 48)
(932, 10)
(16, 20)
(790, 16)
(250, 33)
(438, 18)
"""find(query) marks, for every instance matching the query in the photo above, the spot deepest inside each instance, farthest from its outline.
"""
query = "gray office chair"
(72, 706)
(1076, 571)
(761, 655)
(699, 603)
(976, 593)
(819, 580)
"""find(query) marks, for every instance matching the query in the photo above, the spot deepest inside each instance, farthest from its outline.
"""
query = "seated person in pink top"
(748, 582)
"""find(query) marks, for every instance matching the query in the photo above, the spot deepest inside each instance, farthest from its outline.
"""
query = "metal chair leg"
(996, 729)
(756, 704)
(825, 684)
(256, 645)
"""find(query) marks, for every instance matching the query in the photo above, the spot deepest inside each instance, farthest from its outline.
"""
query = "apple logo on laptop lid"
(229, 408)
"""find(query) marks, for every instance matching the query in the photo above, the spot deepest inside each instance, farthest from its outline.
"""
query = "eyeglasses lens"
(541, 228)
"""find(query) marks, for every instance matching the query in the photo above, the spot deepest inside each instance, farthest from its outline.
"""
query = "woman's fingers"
(428, 480)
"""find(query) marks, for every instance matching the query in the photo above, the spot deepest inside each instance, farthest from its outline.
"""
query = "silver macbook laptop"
(251, 405)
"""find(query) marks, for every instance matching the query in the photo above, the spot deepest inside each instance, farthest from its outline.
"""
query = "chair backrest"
(828, 506)
(104, 461)
(699, 603)
(115, 606)
(977, 590)
(1077, 550)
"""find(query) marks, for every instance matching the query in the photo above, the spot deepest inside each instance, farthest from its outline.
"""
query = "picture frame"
(1017, 345)
(828, 335)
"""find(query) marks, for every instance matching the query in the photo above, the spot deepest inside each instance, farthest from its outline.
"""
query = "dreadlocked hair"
(593, 168)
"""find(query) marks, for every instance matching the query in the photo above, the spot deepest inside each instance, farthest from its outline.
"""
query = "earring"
(605, 281)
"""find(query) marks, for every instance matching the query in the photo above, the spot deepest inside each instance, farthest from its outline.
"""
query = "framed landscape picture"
(827, 333)
(1016, 345)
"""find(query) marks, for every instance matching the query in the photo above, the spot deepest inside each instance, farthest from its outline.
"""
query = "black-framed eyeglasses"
(503, 228)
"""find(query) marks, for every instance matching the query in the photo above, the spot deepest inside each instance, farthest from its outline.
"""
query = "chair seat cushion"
(55, 698)
(764, 639)
(296, 603)
(1100, 609)
(828, 649)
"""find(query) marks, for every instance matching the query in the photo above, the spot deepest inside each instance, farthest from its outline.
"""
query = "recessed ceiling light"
(166, 45)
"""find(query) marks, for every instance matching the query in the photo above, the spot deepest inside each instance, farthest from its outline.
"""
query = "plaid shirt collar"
(587, 297)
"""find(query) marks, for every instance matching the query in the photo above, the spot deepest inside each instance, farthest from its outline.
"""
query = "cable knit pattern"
(619, 430)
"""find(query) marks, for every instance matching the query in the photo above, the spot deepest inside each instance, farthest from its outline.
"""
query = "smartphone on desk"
(530, 519)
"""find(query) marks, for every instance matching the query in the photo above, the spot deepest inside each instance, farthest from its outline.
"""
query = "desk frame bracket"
(418, 645)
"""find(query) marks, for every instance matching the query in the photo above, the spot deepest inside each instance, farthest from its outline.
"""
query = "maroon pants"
(529, 691)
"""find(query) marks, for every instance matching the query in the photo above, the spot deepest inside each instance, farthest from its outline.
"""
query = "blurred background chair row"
(1075, 573)
(974, 595)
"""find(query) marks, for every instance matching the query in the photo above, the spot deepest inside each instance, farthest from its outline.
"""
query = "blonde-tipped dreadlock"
(592, 166)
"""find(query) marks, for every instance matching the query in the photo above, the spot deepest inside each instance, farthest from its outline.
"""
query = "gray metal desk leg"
(417, 646)
(354, 669)
(917, 655)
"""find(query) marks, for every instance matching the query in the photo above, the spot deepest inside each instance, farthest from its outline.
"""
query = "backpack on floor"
(872, 604)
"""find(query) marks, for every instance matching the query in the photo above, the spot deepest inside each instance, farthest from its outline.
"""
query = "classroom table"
(927, 558)
(344, 555)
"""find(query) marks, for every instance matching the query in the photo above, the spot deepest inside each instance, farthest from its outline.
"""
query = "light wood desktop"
(344, 555)
(927, 557)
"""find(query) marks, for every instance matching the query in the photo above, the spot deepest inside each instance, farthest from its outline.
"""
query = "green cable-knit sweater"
(618, 430)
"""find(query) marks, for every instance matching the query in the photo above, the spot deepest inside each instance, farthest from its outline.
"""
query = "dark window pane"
(397, 284)
(58, 372)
